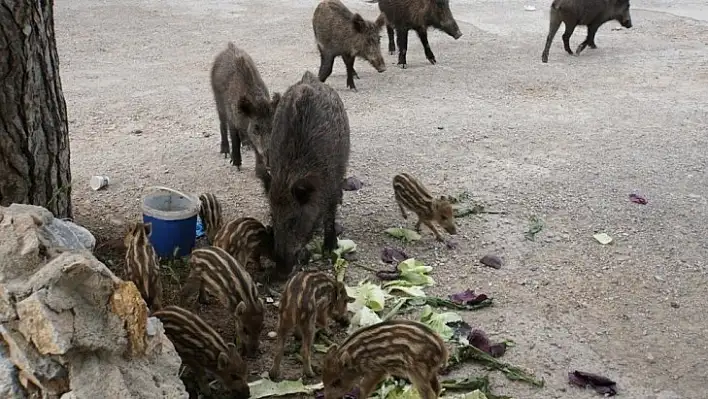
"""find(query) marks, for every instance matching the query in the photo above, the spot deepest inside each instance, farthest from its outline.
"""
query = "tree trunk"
(34, 133)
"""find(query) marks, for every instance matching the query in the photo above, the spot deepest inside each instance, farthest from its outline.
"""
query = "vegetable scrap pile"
(402, 290)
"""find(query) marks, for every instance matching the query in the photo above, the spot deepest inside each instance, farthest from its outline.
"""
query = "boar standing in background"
(309, 157)
(418, 15)
(590, 13)
(339, 32)
(244, 106)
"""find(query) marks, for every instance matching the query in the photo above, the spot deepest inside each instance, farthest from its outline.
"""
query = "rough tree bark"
(34, 133)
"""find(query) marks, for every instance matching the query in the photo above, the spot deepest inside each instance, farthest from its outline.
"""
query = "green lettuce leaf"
(403, 234)
(416, 272)
(366, 295)
(438, 321)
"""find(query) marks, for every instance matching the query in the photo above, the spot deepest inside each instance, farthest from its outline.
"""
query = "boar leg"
(262, 172)
(402, 39)
(589, 40)
(308, 338)
(424, 384)
(435, 384)
(403, 211)
(349, 62)
(283, 332)
(356, 75)
(224, 129)
(423, 36)
(553, 26)
(326, 64)
(368, 384)
(330, 234)
(235, 147)
(391, 42)
(201, 380)
(569, 28)
(435, 231)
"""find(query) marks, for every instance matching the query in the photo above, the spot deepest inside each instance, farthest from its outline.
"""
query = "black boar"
(590, 13)
(244, 106)
(404, 15)
(309, 157)
(339, 32)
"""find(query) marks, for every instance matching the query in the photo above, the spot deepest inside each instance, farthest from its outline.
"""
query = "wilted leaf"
(393, 255)
(535, 227)
(600, 384)
(405, 287)
(479, 340)
(637, 199)
(603, 238)
(438, 321)
(265, 388)
(352, 183)
(340, 269)
(468, 297)
(403, 234)
(388, 275)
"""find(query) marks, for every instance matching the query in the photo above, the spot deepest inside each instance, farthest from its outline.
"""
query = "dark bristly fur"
(246, 239)
(411, 194)
(401, 348)
(309, 300)
(340, 32)
(590, 13)
(141, 264)
(201, 348)
(214, 271)
(418, 15)
(310, 154)
(210, 213)
(244, 106)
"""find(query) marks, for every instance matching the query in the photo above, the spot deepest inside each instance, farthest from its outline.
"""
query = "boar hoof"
(392, 52)
(432, 60)
(274, 374)
(403, 66)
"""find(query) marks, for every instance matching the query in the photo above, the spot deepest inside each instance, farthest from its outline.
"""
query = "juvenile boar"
(404, 15)
(411, 194)
(590, 13)
(339, 32)
(141, 264)
(214, 271)
(309, 300)
(310, 155)
(246, 239)
(400, 348)
(210, 214)
(244, 106)
(201, 348)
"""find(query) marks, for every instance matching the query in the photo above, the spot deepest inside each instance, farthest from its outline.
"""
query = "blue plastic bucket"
(174, 220)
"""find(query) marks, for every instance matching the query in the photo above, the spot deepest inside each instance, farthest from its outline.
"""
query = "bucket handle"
(176, 192)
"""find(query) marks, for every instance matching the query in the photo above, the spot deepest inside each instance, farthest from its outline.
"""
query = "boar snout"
(627, 23)
(451, 229)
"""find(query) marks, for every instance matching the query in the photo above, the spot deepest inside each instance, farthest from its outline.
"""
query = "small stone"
(492, 261)
(658, 278)
(272, 334)
(675, 305)
(650, 358)
(269, 300)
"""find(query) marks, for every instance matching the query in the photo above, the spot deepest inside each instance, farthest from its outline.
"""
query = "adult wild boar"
(340, 32)
(244, 106)
(309, 156)
(590, 13)
(404, 15)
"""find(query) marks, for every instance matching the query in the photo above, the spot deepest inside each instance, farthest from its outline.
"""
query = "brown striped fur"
(141, 264)
(201, 348)
(309, 300)
(215, 271)
(411, 194)
(246, 239)
(401, 348)
(210, 213)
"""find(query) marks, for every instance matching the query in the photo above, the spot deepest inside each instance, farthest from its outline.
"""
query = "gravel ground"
(567, 141)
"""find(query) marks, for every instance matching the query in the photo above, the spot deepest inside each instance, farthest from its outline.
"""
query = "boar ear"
(246, 107)
(222, 360)
(240, 308)
(275, 101)
(302, 190)
(380, 21)
(332, 350)
(358, 23)
(148, 228)
(345, 361)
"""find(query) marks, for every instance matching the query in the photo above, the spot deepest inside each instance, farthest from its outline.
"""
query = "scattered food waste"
(603, 238)
(479, 340)
(352, 183)
(600, 384)
(393, 255)
(468, 297)
(451, 244)
(492, 261)
(529, 8)
(403, 234)
(637, 199)
(535, 227)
